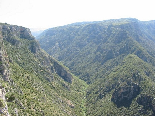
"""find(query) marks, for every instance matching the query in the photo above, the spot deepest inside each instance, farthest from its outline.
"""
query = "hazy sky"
(51, 13)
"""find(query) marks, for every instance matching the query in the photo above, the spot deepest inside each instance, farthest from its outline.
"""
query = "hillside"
(115, 57)
(127, 91)
(92, 49)
(32, 82)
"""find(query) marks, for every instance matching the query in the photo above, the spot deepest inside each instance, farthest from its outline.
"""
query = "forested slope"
(115, 57)
(128, 90)
(32, 82)
(92, 49)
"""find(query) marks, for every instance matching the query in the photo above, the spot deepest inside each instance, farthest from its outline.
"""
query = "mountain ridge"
(115, 57)
(122, 89)
(101, 39)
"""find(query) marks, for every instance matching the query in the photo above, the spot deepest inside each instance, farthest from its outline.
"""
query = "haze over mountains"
(109, 69)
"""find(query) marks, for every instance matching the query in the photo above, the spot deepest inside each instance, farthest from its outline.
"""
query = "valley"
(100, 68)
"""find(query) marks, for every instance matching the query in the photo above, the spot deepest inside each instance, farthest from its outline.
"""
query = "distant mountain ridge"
(81, 47)
(36, 31)
(115, 57)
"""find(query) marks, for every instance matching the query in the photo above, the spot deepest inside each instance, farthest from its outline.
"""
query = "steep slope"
(92, 49)
(127, 91)
(32, 82)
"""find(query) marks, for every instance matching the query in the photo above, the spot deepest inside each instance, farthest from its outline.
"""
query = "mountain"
(115, 57)
(127, 91)
(32, 82)
(92, 49)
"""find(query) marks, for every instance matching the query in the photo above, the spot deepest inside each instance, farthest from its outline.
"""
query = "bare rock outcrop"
(3, 106)
(60, 70)
(124, 95)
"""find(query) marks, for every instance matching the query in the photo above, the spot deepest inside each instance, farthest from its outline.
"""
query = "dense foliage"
(92, 49)
(115, 57)
(132, 71)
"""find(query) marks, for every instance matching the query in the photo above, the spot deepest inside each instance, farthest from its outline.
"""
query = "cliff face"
(4, 75)
(11, 34)
(62, 72)
(31, 81)
(16, 31)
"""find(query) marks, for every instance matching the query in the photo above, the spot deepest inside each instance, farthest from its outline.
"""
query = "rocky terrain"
(31, 81)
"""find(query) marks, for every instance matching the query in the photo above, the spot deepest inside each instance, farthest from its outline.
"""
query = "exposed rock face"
(16, 31)
(62, 72)
(25, 33)
(4, 107)
(4, 73)
(124, 95)
(147, 102)
(1, 57)
(70, 103)
(1, 64)
(11, 32)
(23, 59)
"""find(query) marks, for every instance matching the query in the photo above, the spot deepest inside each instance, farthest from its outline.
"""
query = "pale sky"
(52, 13)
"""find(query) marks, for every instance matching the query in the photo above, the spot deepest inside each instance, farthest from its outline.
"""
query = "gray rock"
(62, 72)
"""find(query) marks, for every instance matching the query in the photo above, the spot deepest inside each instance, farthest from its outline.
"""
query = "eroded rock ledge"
(62, 72)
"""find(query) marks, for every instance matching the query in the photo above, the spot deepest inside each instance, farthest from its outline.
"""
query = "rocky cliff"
(12, 33)
(31, 81)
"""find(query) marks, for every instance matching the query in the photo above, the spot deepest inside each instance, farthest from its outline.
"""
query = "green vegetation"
(1, 103)
(91, 50)
(115, 58)
(131, 70)
(33, 87)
